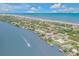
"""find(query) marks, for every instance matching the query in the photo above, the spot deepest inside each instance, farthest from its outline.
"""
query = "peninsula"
(63, 34)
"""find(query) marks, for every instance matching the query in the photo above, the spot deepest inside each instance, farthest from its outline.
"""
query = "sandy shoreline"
(59, 40)
(41, 19)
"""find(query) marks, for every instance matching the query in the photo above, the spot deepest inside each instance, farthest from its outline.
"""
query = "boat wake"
(28, 44)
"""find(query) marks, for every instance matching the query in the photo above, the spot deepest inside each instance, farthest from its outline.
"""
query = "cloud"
(34, 9)
(71, 10)
(15, 8)
(4, 7)
(31, 10)
(66, 10)
(57, 6)
(12, 8)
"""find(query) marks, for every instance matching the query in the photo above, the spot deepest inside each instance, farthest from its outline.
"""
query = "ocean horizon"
(68, 17)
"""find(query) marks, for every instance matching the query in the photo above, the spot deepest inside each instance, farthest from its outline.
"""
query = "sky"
(39, 7)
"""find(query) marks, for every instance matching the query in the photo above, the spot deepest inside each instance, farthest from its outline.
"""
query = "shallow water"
(20, 42)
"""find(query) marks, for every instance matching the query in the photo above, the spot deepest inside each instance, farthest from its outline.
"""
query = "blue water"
(68, 17)
(13, 40)
(20, 42)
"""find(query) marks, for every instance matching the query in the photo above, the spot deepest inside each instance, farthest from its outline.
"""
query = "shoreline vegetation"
(63, 34)
(40, 19)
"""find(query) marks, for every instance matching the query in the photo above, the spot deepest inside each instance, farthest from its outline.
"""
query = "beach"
(63, 34)
(38, 18)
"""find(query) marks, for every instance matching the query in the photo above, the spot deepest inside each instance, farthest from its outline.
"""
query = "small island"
(63, 34)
